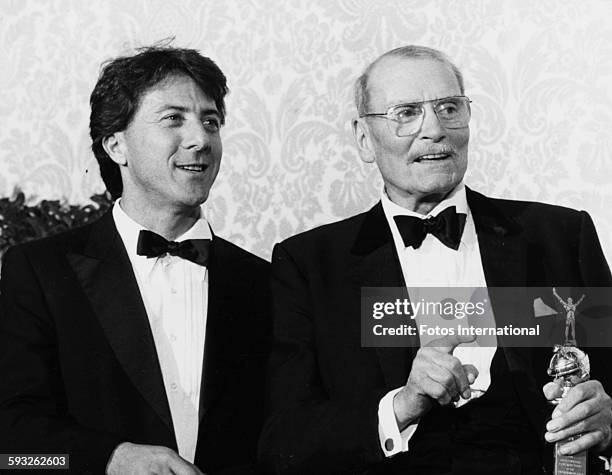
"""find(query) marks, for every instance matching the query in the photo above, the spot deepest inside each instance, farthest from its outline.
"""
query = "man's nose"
(431, 129)
(195, 136)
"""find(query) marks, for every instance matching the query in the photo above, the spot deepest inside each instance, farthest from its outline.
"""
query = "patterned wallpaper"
(539, 74)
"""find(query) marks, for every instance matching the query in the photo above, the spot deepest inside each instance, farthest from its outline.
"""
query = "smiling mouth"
(431, 157)
(193, 167)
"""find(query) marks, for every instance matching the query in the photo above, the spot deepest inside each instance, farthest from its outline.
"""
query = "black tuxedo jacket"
(78, 365)
(325, 388)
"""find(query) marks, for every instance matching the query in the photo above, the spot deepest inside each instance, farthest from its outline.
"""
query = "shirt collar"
(456, 198)
(129, 230)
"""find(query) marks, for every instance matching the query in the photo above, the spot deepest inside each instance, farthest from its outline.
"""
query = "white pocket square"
(540, 309)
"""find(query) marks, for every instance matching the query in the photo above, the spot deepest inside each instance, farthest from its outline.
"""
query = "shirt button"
(172, 337)
(389, 445)
(173, 290)
(173, 386)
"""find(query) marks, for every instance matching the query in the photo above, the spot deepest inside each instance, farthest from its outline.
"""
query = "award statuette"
(569, 366)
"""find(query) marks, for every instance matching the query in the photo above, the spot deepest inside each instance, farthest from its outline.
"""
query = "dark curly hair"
(123, 82)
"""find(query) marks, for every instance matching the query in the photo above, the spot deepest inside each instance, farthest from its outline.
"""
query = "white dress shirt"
(435, 265)
(175, 295)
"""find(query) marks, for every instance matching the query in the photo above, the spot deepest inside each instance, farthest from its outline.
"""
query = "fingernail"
(564, 450)
(471, 378)
(467, 394)
(556, 413)
(552, 426)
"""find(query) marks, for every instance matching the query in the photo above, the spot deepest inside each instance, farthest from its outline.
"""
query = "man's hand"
(133, 459)
(585, 410)
(436, 375)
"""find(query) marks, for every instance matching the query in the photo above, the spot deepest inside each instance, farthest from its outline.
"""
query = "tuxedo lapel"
(227, 285)
(105, 273)
(506, 260)
(503, 248)
(375, 263)
(503, 253)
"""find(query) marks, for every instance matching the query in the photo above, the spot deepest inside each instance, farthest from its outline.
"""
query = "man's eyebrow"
(178, 108)
(210, 112)
(413, 103)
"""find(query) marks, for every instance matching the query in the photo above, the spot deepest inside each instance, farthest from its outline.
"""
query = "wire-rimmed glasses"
(406, 119)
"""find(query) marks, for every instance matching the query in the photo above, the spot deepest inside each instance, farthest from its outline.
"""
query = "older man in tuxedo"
(337, 407)
(137, 344)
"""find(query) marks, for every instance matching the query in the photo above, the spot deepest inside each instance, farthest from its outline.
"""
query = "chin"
(195, 195)
(193, 202)
(440, 188)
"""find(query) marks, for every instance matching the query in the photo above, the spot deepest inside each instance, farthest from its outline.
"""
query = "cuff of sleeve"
(392, 441)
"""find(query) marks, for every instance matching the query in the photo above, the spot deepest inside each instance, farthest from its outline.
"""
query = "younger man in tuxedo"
(137, 344)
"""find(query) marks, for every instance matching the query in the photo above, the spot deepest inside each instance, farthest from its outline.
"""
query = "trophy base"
(570, 464)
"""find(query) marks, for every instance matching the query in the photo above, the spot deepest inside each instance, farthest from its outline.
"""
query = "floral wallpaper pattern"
(539, 74)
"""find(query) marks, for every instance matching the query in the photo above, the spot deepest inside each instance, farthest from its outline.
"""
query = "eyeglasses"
(406, 119)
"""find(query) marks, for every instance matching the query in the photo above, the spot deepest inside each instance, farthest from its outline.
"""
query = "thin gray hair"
(408, 52)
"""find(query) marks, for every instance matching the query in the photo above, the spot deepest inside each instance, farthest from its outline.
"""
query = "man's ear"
(114, 146)
(363, 141)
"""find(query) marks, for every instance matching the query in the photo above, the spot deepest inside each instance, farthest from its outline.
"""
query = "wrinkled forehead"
(396, 80)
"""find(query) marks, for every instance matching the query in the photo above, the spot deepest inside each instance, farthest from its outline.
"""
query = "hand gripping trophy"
(569, 366)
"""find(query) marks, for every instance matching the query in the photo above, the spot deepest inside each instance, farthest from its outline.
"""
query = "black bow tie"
(447, 226)
(154, 245)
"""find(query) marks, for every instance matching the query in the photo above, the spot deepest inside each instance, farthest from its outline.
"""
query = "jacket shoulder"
(230, 250)
(536, 208)
(71, 239)
(340, 232)
(529, 215)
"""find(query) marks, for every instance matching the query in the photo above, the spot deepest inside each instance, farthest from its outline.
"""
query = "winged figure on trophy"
(570, 318)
